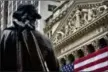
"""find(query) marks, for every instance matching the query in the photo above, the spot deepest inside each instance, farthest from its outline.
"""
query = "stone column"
(84, 49)
(95, 44)
(106, 38)
(75, 54)
(66, 58)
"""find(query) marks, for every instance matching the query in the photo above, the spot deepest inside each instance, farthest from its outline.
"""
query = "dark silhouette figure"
(23, 48)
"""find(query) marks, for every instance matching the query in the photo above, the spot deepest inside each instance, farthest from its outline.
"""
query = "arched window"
(80, 53)
(102, 43)
(71, 58)
(90, 48)
(63, 61)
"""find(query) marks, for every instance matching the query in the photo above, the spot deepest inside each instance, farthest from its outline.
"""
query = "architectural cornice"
(83, 30)
(72, 8)
(64, 22)
(86, 1)
(64, 18)
(79, 30)
(79, 3)
(55, 20)
(84, 24)
(58, 18)
(93, 39)
(60, 6)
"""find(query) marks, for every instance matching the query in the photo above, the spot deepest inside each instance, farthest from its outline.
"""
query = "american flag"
(94, 62)
(68, 68)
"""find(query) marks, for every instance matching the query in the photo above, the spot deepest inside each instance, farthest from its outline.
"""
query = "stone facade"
(79, 27)
(44, 11)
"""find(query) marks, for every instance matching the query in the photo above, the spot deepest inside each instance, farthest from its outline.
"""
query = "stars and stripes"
(68, 68)
(95, 62)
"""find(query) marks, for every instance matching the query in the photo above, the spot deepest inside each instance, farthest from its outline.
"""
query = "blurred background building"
(78, 28)
(3, 14)
(46, 8)
(8, 7)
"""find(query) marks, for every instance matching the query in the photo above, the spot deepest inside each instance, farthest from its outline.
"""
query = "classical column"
(95, 44)
(75, 54)
(84, 49)
(66, 58)
(106, 38)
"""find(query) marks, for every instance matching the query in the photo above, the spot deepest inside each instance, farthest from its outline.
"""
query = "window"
(102, 43)
(51, 7)
(90, 48)
(80, 53)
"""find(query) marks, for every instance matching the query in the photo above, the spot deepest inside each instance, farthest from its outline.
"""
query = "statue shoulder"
(44, 39)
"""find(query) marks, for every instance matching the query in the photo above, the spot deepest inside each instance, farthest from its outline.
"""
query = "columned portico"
(80, 29)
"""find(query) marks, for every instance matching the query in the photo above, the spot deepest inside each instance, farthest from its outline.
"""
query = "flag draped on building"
(68, 68)
(95, 62)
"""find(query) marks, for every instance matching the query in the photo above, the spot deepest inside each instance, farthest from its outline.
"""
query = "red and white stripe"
(95, 62)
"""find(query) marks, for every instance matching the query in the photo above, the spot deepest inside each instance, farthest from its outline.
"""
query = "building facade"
(79, 28)
(45, 9)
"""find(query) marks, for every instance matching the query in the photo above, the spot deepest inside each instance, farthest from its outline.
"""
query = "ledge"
(81, 31)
